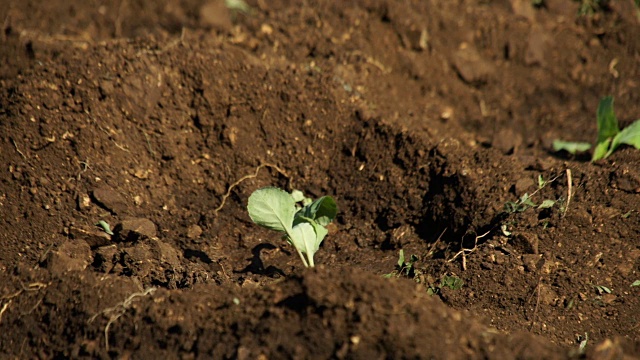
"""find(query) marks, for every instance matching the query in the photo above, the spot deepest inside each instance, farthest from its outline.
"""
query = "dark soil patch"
(422, 118)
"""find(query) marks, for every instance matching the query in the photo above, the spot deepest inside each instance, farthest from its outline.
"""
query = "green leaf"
(547, 204)
(526, 200)
(297, 195)
(401, 258)
(304, 239)
(452, 282)
(272, 208)
(323, 210)
(636, 283)
(105, 227)
(607, 121)
(628, 136)
(600, 152)
(570, 146)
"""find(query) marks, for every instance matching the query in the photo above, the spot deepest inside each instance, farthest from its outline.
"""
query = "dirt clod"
(135, 229)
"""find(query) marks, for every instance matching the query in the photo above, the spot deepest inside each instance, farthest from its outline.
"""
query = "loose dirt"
(427, 121)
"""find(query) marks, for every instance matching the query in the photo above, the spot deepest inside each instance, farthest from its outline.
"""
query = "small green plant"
(237, 5)
(635, 283)
(524, 203)
(601, 289)
(450, 281)
(404, 267)
(610, 137)
(304, 226)
(105, 227)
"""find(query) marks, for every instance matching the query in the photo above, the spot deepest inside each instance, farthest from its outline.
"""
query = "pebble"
(135, 229)
(72, 255)
(110, 199)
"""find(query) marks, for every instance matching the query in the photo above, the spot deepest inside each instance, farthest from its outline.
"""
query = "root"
(36, 286)
(114, 313)
(464, 252)
(246, 177)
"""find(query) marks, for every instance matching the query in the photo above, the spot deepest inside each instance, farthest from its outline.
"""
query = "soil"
(427, 121)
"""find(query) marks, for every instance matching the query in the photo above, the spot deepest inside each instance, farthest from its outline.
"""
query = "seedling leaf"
(304, 239)
(526, 200)
(601, 150)
(636, 283)
(272, 208)
(297, 195)
(570, 146)
(323, 210)
(629, 136)
(401, 258)
(452, 282)
(105, 227)
(547, 204)
(607, 121)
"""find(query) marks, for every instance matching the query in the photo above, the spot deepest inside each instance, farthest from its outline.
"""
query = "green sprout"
(610, 137)
(304, 227)
(450, 281)
(105, 227)
(404, 267)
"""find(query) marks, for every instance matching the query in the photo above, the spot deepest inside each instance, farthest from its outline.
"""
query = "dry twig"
(246, 177)
(464, 251)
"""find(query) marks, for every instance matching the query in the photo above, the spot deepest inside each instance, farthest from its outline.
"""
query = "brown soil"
(422, 119)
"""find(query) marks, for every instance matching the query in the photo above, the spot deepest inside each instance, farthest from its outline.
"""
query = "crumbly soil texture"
(133, 132)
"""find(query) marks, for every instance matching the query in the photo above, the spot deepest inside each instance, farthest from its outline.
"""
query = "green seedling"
(583, 340)
(600, 289)
(238, 5)
(572, 147)
(524, 203)
(105, 227)
(635, 283)
(304, 226)
(610, 137)
(298, 197)
(450, 281)
(404, 267)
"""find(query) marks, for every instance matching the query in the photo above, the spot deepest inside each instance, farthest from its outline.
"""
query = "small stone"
(608, 298)
(194, 231)
(525, 243)
(104, 258)
(70, 256)
(472, 68)
(215, 14)
(166, 253)
(135, 229)
(531, 261)
(524, 185)
(110, 199)
(523, 8)
(84, 201)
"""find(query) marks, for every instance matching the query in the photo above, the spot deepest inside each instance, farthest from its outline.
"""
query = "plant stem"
(304, 260)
